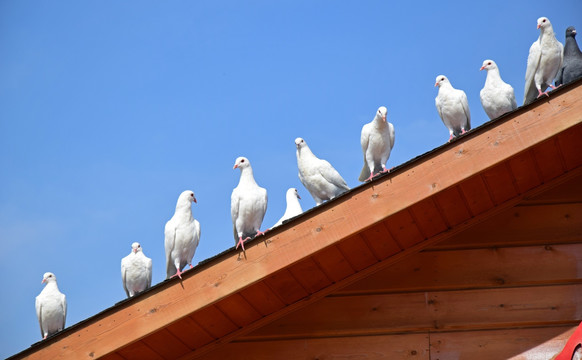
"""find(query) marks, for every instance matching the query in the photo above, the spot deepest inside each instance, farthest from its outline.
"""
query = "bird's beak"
(482, 67)
(384, 118)
(299, 197)
(436, 84)
(539, 26)
(235, 166)
(43, 281)
(134, 250)
(574, 32)
(195, 201)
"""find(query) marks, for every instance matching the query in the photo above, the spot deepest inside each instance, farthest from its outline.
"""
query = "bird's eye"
(489, 64)
(544, 20)
(242, 161)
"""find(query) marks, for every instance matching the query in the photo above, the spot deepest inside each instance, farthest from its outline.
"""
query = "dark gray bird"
(572, 63)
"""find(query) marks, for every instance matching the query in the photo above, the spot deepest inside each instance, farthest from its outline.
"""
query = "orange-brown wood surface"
(456, 189)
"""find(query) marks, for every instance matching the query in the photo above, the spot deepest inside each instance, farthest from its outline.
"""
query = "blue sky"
(110, 109)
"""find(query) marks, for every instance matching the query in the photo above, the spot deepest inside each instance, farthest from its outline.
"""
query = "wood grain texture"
(489, 268)
(429, 311)
(512, 344)
(405, 347)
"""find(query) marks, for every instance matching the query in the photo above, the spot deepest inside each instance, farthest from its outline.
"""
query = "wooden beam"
(326, 226)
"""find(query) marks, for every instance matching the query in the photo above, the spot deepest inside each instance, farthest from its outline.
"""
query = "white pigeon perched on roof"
(453, 107)
(293, 206)
(182, 235)
(136, 271)
(248, 204)
(318, 176)
(543, 63)
(377, 141)
(51, 307)
(497, 97)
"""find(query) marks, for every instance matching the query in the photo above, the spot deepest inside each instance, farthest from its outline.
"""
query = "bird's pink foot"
(241, 243)
(191, 267)
(370, 177)
(384, 170)
(259, 232)
(555, 87)
(178, 274)
(44, 338)
(450, 137)
(464, 131)
(542, 93)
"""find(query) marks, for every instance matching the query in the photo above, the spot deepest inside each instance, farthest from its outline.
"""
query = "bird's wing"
(169, 243)
(465, 105)
(234, 211)
(38, 306)
(64, 309)
(264, 201)
(149, 272)
(331, 175)
(392, 135)
(533, 62)
(123, 279)
(364, 141)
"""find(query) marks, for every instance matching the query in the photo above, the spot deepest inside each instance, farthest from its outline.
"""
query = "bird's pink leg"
(384, 170)
(370, 177)
(543, 93)
(450, 137)
(241, 243)
(259, 232)
(44, 338)
(464, 131)
(555, 87)
(178, 274)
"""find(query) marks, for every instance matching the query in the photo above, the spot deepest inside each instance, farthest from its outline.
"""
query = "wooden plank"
(310, 275)
(569, 144)
(413, 346)
(453, 206)
(286, 287)
(166, 344)
(262, 298)
(112, 356)
(334, 264)
(569, 192)
(548, 159)
(476, 195)
(326, 226)
(500, 183)
(523, 225)
(405, 231)
(213, 321)
(380, 241)
(525, 174)
(489, 268)
(139, 350)
(357, 252)
(513, 344)
(238, 310)
(428, 218)
(190, 333)
(429, 311)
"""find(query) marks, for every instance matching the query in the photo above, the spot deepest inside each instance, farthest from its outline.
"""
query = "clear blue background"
(109, 109)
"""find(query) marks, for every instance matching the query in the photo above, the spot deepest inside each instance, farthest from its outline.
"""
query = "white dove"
(543, 63)
(293, 207)
(453, 107)
(136, 271)
(248, 204)
(377, 141)
(497, 97)
(182, 235)
(51, 307)
(318, 176)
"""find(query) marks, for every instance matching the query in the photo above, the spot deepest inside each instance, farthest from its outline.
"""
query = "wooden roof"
(428, 225)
